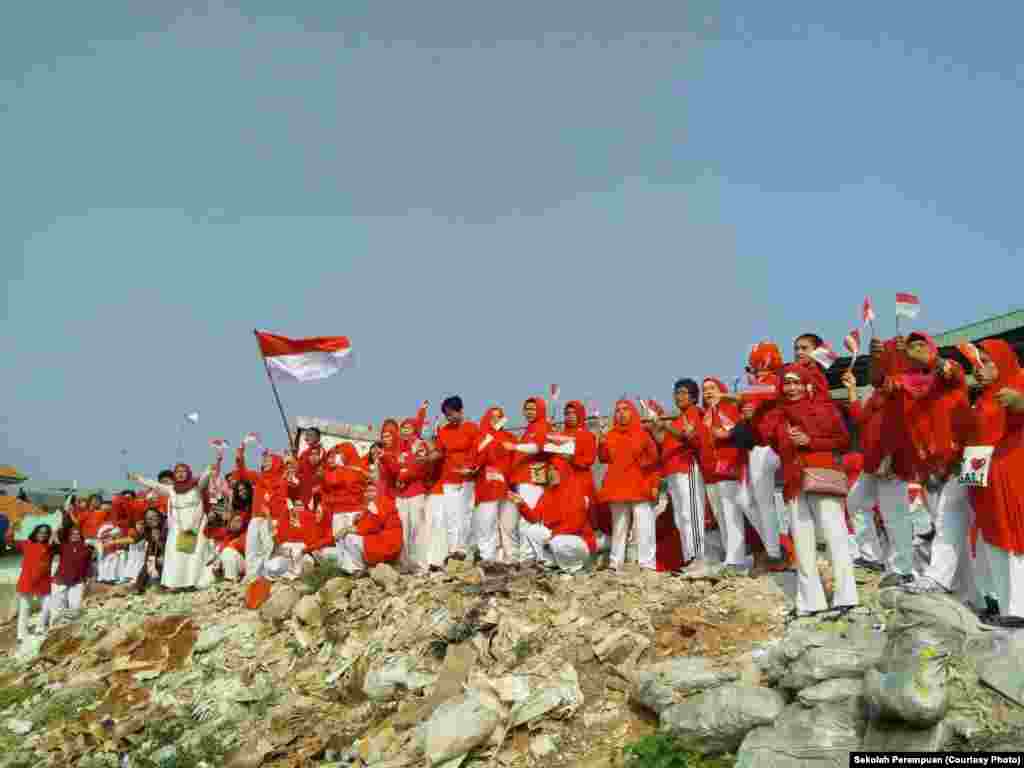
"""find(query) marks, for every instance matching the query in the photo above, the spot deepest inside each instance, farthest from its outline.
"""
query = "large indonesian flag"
(304, 359)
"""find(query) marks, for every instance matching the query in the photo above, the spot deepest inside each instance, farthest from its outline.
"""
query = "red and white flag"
(220, 444)
(867, 312)
(971, 352)
(825, 356)
(555, 392)
(907, 305)
(852, 342)
(251, 437)
(304, 359)
(593, 409)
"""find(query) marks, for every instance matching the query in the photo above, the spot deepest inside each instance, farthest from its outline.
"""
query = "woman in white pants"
(684, 443)
(806, 434)
(269, 499)
(34, 581)
(412, 472)
(491, 489)
(631, 456)
(722, 478)
(557, 528)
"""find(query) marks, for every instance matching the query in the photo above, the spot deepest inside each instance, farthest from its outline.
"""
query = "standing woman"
(344, 486)
(495, 514)
(185, 550)
(999, 503)
(685, 444)
(631, 456)
(269, 500)
(152, 537)
(807, 435)
(581, 463)
(722, 477)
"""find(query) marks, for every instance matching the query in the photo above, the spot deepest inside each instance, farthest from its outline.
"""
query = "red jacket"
(631, 457)
(680, 456)
(457, 445)
(73, 567)
(36, 566)
(563, 509)
(381, 531)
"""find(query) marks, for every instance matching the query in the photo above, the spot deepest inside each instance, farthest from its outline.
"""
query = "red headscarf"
(634, 424)
(765, 356)
(188, 483)
(724, 413)
(991, 417)
(581, 417)
(539, 427)
(812, 417)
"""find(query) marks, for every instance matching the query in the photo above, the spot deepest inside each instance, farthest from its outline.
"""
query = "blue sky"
(486, 197)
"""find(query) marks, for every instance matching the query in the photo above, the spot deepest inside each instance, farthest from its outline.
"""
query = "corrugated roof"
(983, 329)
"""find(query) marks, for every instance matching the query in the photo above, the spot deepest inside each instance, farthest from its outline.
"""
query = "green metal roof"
(982, 329)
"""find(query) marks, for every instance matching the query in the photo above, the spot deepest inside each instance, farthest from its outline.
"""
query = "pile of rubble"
(463, 668)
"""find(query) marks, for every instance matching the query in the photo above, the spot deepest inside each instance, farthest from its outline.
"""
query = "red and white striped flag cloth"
(251, 437)
(220, 444)
(304, 359)
(907, 305)
(852, 342)
(825, 355)
(971, 352)
(593, 409)
(867, 312)
(555, 392)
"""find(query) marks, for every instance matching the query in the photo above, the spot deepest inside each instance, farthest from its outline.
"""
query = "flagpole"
(277, 397)
(181, 439)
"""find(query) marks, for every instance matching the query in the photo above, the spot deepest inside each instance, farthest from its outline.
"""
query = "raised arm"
(153, 485)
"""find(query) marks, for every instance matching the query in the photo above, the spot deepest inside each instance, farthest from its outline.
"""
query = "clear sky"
(486, 197)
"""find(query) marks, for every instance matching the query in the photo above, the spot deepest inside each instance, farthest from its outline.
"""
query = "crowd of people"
(732, 484)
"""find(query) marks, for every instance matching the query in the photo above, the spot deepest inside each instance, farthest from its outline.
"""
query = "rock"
(806, 737)
(774, 660)
(661, 685)
(1002, 671)
(334, 594)
(384, 575)
(458, 663)
(717, 720)
(280, 603)
(819, 664)
(890, 737)
(543, 746)
(620, 647)
(393, 676)
(209, 638)
(562, 693)
(831, 692)
(460, 725)
(19, 727)
(309, 611)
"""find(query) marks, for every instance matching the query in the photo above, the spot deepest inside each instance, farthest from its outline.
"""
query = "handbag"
(825, 482)
(185, 542)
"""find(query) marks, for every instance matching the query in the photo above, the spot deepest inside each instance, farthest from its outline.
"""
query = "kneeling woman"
(807, 434)
(374, 537)
(557, 528)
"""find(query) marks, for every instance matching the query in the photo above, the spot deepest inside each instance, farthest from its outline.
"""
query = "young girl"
(34, 582)
(72, 572)
(152, 537)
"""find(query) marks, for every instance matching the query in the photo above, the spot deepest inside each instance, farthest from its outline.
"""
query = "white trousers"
(351, 554)
(765, 511)
(569, 553)
(259, 546)
(1003, 577)
(519, 550)
(435, 536)
(287, 563)
(808, 512)
(25, 603)
(636, 517)
(65, 599)
(686, 489)
(232, 563)
(415, 531)
(485, 529)
(890, 494)
(134, 561)
(458, 516)
(724, 498)
(951, 563)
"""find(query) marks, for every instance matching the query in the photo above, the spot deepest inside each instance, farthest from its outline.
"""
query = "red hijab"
(812, 417)
(539, 427)
(991, 417)
(186, 485)
(581, 417)
(724, 413)
(487, 422)
(765, 357)
(633, 425)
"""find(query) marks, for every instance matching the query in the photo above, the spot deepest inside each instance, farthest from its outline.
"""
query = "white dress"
(184, 513)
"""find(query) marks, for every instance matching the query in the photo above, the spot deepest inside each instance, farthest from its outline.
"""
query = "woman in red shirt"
(375, 536)
(34, 581)
(722, 477)
(491, 462)
(631, 456)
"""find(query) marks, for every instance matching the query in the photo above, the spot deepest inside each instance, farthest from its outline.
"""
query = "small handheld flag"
(971, 353)
(555, 392)
(825, 356)
(852, 343)
(193, 417)
(867, 313)
(907, 305)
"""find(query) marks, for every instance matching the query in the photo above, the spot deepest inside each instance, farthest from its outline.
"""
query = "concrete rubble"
(462, 668)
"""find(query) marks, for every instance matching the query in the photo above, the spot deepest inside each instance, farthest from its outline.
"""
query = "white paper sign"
(565, 449)
(975, 468)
